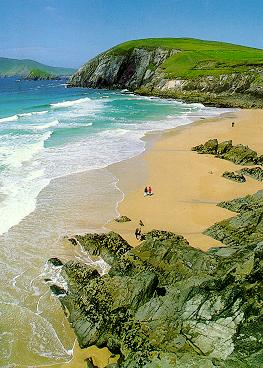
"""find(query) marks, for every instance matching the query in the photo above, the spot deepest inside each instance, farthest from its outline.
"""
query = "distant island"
(210, 72)
(31, 69)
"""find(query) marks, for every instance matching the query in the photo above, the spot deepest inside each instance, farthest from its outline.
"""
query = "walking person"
(145, 191)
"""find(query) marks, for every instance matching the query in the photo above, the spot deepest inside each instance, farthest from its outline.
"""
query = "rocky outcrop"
(122, 219)
(166, 304)
(231, 175)
(142, 69)
(239, 154)
(245, 228)
(107, 246)
(254, 172)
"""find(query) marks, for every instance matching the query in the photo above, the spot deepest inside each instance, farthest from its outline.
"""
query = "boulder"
(224, 147)
(239, 178)
(241, 155)
(254, 172)
(108, 246)
(122, 219)
(209, 147)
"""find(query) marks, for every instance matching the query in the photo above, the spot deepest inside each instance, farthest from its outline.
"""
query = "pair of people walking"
(148, 191)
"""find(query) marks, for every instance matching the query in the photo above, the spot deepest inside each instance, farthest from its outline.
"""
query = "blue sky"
(69, 32)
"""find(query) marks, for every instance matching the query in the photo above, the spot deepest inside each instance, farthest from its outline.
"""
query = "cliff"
(213, 73)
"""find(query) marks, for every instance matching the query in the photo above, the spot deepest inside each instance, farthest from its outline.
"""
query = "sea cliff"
(212, 73)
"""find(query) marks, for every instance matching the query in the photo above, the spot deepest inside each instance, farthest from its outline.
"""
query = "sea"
(56, 145)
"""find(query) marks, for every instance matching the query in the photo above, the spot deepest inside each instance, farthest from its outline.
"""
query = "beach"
(186, 186)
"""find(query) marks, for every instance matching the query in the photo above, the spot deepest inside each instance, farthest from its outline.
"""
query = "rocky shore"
(167, 304)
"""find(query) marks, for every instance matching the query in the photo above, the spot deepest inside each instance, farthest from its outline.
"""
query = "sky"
(69, 32)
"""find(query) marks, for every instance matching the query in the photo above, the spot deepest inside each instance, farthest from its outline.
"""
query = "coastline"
(163, 165)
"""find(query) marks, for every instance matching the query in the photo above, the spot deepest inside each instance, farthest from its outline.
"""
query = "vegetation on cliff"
(214, 73)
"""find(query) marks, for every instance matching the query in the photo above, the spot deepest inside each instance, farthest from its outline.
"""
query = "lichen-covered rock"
(209, 147)
(108, 246)
(245, 204)
(122, 219)
(224, 147)
(246, 228)
(166, 304)
(254, 172)
(241, 155)
(239, 178)
(260, 160)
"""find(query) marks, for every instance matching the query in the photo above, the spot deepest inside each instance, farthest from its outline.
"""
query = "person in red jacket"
(150, 190)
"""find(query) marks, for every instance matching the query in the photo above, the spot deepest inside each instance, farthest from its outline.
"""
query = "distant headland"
(31, 69)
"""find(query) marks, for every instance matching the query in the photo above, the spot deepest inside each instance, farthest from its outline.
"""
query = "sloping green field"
(197, 57)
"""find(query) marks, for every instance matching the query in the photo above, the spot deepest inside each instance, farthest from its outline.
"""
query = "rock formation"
(166, 304)
(239, 154)
(239, 178)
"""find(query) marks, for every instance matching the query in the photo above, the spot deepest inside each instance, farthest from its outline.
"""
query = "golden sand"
(187, 186)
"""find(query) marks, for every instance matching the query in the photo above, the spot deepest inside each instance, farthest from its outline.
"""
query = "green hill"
(210, 72)
(197, 57)
(22, 68)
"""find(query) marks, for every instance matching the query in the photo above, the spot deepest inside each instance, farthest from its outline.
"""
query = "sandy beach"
(187, 186)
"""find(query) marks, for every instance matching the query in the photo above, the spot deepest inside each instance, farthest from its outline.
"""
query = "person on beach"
(138, 233)
(141, 223)
(150, 190)
(233, 124)
(145, 191)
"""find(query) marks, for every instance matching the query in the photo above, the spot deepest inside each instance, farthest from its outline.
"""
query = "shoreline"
(174, 148)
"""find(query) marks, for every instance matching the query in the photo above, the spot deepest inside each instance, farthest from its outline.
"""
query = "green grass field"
(198, 57)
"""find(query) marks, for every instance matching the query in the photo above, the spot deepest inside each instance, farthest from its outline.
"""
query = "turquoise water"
(48, 131)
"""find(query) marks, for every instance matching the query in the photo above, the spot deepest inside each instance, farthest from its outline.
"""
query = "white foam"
(45, 126)
(70, 103)
(21, 181)
(9, 118)
(33, 113)
(24, 153)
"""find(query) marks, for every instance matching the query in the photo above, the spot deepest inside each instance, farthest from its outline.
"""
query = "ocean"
(56, 144)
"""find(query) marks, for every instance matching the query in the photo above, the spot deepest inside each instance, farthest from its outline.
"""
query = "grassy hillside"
(198, 57)
(15, 67)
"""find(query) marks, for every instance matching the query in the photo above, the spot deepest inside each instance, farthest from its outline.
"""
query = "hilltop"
(22, 68)
(210, 72)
